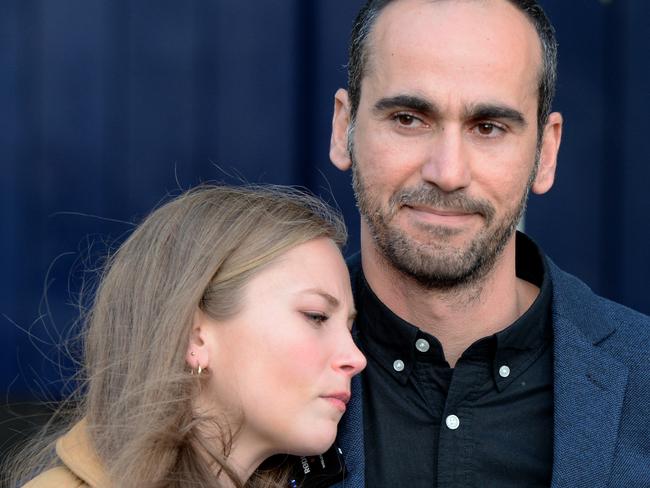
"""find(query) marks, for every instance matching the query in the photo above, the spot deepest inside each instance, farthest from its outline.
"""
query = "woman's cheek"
(305, 355)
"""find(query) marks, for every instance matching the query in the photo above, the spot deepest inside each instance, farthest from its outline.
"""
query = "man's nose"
(446, 164)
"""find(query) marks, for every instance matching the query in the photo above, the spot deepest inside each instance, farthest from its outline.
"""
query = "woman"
(219, 337)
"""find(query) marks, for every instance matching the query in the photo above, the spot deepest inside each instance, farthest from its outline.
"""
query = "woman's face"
(283, 364)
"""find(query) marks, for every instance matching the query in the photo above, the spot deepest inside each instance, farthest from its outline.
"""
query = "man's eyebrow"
(495, 111)
(404, 101)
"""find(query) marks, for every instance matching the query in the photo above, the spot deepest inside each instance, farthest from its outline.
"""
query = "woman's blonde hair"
(197, 251)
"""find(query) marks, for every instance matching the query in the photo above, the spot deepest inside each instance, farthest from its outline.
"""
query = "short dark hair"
(367, 16)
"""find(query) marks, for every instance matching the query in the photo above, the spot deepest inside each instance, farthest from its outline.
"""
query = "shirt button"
(452, 422)
(422, 345)
(398, 365)
(504, 371)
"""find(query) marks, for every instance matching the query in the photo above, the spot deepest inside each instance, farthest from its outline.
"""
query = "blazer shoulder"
(59, 477)
(353, 263)
(614, 326)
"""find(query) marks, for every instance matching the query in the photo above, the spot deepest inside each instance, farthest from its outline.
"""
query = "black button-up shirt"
(488, 422)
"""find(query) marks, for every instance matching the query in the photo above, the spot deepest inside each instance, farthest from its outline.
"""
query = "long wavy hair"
(198, 251)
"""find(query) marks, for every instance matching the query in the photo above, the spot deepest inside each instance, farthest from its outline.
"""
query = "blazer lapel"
(350, 439)
(589, 386)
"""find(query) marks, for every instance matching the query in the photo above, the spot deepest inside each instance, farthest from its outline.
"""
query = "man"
(487, 365)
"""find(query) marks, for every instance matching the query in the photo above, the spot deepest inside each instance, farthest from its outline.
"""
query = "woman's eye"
(316, 317)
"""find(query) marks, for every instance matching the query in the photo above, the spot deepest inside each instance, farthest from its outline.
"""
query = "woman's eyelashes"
(316, 318)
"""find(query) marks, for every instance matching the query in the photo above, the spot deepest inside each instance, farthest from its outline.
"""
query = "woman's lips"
(338, 400)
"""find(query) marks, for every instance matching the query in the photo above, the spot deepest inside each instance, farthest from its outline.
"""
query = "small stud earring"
(192, 353)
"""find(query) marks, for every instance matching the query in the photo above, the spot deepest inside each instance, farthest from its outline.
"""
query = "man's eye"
(407, 120)
(488, 129)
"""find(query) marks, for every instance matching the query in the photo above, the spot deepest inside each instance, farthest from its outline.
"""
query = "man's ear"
(197, 353)
(551, 139)
(339, 154)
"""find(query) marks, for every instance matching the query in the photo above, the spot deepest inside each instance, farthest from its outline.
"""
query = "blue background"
(108, 105)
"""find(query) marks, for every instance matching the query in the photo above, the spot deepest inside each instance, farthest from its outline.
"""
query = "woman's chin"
(315, 444)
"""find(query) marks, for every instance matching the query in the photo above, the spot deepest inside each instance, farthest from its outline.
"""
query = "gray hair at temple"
(367, 16)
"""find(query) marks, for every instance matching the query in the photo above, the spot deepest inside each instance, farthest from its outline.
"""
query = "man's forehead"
(450, 21)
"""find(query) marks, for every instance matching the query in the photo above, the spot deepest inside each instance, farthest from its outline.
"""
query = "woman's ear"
(339, 154)
(197, 354)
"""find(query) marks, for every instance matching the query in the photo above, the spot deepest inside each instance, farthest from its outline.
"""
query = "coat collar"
(78, 454)
(589, 388)
(589, 385)
(350, 439)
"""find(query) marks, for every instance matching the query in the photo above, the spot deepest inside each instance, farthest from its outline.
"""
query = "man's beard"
(434, 264)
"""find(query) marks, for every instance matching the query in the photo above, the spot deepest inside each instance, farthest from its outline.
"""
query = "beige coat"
(81, 467)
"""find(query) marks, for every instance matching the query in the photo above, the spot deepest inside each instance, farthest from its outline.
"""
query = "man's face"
(444, 143)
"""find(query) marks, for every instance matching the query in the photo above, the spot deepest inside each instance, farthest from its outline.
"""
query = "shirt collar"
(396, 344)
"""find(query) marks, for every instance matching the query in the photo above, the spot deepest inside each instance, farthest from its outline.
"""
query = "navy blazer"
(601, 374)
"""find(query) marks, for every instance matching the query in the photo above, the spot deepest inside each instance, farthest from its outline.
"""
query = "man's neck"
(457, 317)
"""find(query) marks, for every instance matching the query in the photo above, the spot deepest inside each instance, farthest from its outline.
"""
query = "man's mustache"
(432, 196)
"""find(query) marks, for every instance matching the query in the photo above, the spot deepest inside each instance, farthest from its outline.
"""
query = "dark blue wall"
(105, 106)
